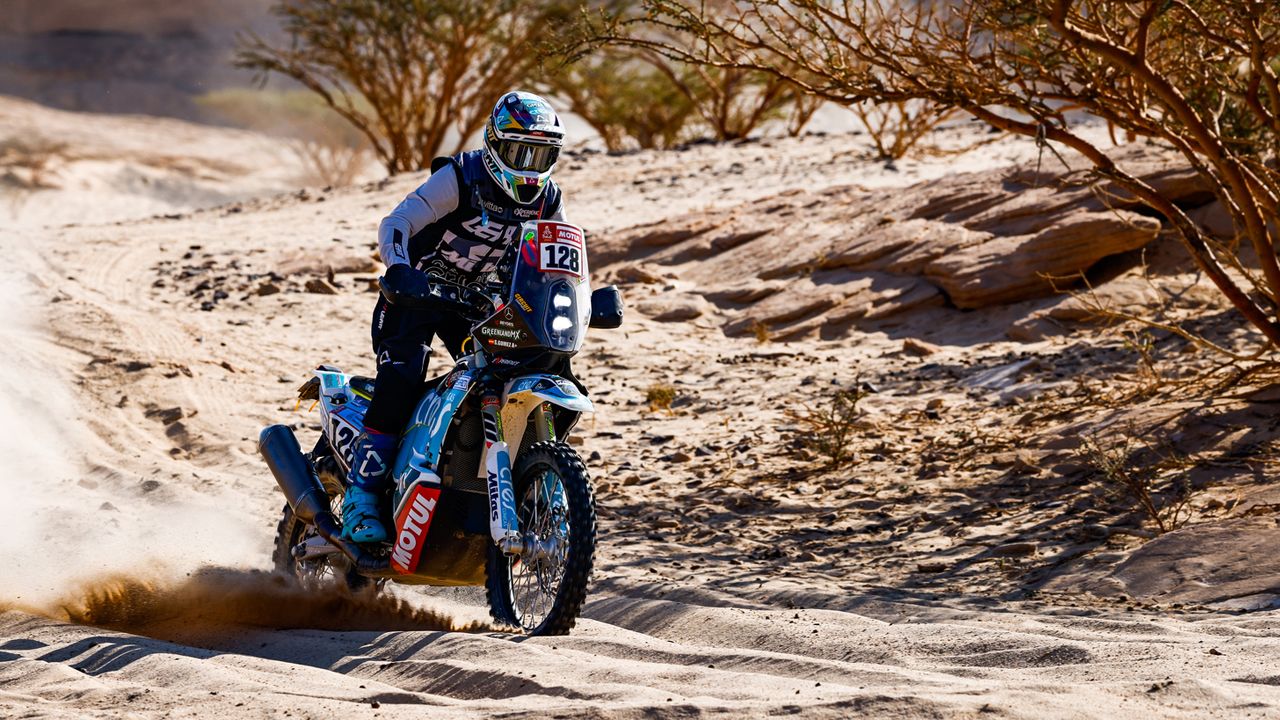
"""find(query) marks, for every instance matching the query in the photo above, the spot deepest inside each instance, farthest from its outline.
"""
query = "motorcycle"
(486, 490)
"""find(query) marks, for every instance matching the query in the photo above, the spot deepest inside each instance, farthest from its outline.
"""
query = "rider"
(456, 226)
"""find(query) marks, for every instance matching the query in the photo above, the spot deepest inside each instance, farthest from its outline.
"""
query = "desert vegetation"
(416, 78)
(1200, 77)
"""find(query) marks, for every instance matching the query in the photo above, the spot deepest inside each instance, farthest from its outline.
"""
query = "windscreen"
(550, 301)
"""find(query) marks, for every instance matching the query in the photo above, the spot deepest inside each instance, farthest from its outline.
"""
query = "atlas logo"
(413, 523)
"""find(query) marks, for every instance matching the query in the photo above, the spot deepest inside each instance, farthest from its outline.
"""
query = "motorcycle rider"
(457, 226)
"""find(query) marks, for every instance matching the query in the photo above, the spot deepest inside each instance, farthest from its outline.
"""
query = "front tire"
(543, 596)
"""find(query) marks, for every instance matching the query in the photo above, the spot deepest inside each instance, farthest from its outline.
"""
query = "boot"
(370, 465)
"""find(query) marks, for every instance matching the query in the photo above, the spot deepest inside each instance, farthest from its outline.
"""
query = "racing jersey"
(459, 224)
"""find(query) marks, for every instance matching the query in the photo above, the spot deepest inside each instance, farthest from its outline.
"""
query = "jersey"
(459, 224)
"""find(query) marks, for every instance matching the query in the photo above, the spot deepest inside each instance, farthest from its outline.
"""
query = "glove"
(402, 284)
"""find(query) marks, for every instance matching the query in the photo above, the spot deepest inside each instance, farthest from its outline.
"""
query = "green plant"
(660, 396)
(828, 428)
(1134, 469)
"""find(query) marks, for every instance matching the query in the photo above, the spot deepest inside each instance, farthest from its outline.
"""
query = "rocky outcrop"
(806, 261)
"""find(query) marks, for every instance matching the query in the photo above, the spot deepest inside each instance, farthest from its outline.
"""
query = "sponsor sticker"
(411, 528)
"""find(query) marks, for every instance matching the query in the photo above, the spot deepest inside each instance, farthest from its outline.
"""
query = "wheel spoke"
(535, 582)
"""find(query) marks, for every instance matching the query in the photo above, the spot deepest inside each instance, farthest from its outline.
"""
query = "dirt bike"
(486, 489)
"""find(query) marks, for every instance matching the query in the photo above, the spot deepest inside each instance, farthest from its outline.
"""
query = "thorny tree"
(406, 72)
(624, 99)
(1197, 75)
(730, 101)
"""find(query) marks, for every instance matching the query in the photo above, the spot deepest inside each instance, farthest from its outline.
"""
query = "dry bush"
(1196, 75)
(332, 151)
(731, 102)
(406, 73)
(803, 106)
(26, 161)
(660, 396)
(828, 428)
(1134, 470)
(898, 127)
(623, 98)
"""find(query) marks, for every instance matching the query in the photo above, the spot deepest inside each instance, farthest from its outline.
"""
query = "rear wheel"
(291, 532)
(543, 593)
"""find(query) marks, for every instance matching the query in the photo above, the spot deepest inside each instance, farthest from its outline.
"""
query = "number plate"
(562, 258)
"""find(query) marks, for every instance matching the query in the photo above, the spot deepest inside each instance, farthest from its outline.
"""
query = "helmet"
(522, 142)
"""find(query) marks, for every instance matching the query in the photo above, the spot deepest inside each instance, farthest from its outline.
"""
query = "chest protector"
(469, 242)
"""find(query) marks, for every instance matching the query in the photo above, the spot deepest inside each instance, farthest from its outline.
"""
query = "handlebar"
(409, 287)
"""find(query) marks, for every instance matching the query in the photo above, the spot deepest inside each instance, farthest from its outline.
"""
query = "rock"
(1008, 269)
(918, 348)
(932, 566)
(1015, 549)
(320, 286)
(822, 262)
(1214, 219)
(637, 274)
(672, 309)
(1033, 328)
(1129, 295)
(1095, 531)
(168, 416)
(324, 262)
(267, 288)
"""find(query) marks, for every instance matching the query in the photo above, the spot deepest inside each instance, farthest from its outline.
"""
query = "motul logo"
(412, 524)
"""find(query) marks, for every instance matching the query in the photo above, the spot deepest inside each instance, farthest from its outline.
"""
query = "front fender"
(553, 389)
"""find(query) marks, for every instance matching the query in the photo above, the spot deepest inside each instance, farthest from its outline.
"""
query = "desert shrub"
(332, 150)
(1133, 471)
(898, 127)
(1200, 76)
(406, 73)
(660, 396)
(828, 428)
(26, 160)
(731, 102)
(623, 98)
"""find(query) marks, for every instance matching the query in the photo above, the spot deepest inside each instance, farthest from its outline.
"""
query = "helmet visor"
(526, 157)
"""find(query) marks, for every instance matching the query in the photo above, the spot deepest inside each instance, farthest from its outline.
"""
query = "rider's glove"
(404, 284)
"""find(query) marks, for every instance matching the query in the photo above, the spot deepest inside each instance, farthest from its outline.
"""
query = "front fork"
(504, 525)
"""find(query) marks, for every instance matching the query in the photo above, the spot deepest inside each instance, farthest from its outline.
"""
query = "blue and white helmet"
(522, 142)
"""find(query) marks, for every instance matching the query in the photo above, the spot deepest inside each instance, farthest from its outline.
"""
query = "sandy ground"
(735, 578)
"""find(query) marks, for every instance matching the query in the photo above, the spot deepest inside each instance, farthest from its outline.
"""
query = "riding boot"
(370, 465)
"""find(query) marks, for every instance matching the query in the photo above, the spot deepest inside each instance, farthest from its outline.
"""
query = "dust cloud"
(61, 526)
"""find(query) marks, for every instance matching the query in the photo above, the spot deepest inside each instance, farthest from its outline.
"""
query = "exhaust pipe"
(302, 489)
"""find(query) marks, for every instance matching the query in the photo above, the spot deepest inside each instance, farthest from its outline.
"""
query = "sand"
(938, 576)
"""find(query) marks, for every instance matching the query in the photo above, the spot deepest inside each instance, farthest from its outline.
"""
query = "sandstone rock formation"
(807, 261)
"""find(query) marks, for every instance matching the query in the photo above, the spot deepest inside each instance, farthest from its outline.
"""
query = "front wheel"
(543, 592)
